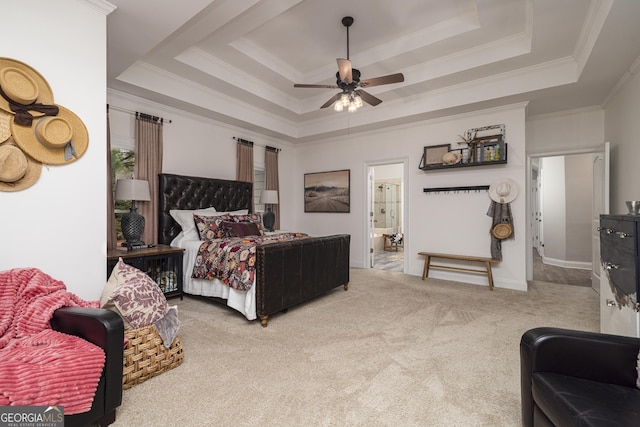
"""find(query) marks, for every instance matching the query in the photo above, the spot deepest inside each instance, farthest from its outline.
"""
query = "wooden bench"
(485, 261)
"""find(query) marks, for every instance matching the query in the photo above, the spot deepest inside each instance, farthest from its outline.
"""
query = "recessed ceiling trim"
(441, 31)
(552, 73)
(159, 81)
(209, 64)
(488, 53)
(596, 17)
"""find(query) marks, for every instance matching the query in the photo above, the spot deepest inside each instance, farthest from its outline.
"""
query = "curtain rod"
(257, 145)
(124, 110)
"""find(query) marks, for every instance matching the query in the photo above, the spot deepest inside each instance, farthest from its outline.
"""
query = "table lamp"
(132, 223)
(268, 198)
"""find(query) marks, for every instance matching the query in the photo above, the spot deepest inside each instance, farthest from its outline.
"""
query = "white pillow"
(184, 218)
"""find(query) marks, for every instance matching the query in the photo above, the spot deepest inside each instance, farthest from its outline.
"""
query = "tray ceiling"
(236, 61)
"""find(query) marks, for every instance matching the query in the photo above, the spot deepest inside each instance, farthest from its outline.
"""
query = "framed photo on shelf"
(433, 154)
(327, 191)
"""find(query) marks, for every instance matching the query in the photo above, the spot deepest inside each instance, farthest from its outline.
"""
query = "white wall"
(454, 223)
(579, 200)
(553, 208)
(59, 224)
(566, 131)
(622, 129)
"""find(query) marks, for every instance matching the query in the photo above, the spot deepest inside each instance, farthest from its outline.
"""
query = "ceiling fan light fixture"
(344, 99)
(338, 106)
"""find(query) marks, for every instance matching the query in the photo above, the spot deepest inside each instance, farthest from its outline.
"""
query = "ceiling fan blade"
(344, 68)
(384, 80)
(316, 86)
(332, 100)
(368, 98)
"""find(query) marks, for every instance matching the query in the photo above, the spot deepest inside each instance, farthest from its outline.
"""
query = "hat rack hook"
(466, 189)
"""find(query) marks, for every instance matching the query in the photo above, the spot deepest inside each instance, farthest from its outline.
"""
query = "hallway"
(552, 274)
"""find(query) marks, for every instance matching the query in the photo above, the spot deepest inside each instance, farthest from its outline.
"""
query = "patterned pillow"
(255, 218)
(241, 229)
(136, 297)
(209, 227)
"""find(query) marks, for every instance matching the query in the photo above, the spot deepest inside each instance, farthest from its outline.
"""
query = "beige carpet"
(391, 351)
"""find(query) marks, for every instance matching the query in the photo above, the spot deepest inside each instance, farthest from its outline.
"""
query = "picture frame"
(328, 192)
(433, 154)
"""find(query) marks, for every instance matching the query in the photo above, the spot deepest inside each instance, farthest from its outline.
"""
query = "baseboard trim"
(579, 265)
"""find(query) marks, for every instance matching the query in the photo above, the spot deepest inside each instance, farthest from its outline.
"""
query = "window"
(122, 166)
(258, 186)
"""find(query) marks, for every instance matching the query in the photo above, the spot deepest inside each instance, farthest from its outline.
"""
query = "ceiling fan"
(348, 79)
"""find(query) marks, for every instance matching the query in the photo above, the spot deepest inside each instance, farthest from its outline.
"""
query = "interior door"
(371, 219)
(536, 216)
(600, 205)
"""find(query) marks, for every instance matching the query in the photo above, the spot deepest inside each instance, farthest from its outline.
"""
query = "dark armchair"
(574, 378)
(105, 329)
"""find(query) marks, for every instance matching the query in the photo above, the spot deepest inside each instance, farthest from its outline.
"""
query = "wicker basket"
(145, 356)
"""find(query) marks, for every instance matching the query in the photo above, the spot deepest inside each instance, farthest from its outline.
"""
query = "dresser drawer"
(621, 269)
(619, 234)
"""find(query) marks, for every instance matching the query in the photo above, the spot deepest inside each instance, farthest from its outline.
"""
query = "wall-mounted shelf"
(484, 155)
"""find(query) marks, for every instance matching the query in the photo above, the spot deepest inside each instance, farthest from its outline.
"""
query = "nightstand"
(163, 263)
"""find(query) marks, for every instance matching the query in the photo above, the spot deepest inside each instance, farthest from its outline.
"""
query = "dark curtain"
(244, 164)
(148, 165)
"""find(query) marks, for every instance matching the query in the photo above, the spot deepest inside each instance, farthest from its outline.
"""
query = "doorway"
(386, 216)
(565, 197)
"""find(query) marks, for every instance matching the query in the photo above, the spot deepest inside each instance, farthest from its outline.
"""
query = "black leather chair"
(105, 329)
(575, 378)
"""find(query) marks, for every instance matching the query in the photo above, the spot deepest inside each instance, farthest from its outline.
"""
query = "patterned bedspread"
(233, 260)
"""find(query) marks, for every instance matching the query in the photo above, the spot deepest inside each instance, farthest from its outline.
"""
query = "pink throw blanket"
(39, 366)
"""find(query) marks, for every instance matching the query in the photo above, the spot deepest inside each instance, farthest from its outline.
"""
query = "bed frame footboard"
(299, 270)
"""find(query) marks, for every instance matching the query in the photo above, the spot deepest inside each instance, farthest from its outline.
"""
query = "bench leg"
(425, 270)
(489, 274)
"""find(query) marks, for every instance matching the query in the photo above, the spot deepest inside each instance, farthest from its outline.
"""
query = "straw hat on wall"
(53, 140)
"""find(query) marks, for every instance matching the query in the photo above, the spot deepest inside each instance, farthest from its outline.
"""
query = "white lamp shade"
(269, 197)
(132, 189)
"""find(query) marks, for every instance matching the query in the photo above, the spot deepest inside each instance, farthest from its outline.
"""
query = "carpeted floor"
(393, 350)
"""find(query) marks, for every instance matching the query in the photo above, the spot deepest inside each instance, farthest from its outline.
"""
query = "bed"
(288, 273)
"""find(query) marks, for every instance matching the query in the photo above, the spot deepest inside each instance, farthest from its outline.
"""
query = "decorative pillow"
(209, 227)
(255, 218)
(240, 229)
(184, 218)
(136, 297)
(168, 326)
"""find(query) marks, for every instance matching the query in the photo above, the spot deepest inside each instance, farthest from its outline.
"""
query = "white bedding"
(242, 301)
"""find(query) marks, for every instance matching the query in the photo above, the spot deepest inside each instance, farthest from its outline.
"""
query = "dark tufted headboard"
(190, 192)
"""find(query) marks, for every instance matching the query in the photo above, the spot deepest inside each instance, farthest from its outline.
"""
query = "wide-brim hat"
(504, 190)
(17, 169)
(23, 85)
(5, 126)
(451, 158)
(53, 140)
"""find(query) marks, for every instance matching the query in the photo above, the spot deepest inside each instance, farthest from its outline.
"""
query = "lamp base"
(268, 219)
(132, 225)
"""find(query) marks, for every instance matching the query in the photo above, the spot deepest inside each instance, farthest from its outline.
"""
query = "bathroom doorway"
(386, 217)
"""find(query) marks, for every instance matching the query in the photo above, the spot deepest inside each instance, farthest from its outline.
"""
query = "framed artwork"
(327, 191)
(433, 154)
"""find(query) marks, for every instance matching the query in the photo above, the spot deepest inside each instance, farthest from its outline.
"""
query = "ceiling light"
(350, 101)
